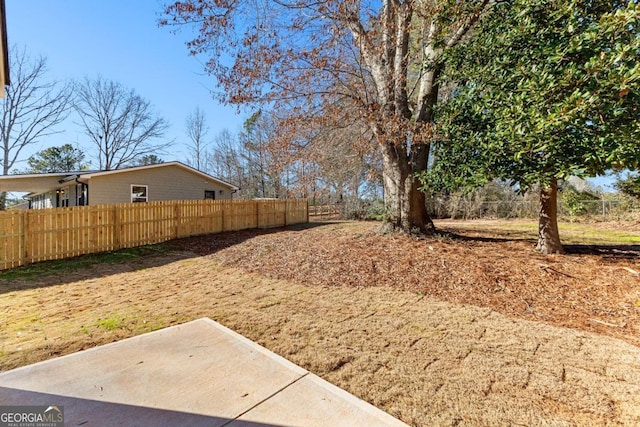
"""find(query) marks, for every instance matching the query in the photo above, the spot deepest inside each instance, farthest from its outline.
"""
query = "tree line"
(335, 172)
(577, 200)
(417, 97)
(124, 131)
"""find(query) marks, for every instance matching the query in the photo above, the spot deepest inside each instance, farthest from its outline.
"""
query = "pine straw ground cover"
(467, 328)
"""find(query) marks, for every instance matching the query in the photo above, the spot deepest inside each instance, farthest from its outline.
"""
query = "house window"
(139, 193)
(37, 202)
(44, 201)
(209, 195)
(63, 197)
(81, 192)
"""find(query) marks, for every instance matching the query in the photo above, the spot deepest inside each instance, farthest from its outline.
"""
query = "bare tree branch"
(31, 110)
(32, 107)
(363, 56)
(197, 131)
(120, 123)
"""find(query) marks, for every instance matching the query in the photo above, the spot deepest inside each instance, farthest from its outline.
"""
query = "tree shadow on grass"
(484, 239)
(613, 252)
(503, 237)
(606, 251)
(94, 266)
(211, 243)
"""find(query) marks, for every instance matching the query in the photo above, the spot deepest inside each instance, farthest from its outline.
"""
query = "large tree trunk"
(405, 205)
(548, 235)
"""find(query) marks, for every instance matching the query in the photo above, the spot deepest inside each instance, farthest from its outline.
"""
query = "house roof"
(89, 175)
(33, 183)
(41, 183)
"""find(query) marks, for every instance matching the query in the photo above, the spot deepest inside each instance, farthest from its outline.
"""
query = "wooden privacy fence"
(28, 236)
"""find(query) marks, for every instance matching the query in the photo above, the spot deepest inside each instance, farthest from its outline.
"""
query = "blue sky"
(120, 40)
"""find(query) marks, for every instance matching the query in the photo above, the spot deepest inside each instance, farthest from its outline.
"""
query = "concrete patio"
(195, 374)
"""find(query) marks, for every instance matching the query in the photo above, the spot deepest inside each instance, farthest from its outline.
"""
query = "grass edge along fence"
(28, 236)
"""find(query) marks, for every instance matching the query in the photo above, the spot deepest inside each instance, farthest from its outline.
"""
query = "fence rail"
(324, 212)
(28, 236)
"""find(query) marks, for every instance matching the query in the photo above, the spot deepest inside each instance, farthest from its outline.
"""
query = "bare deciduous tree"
(197, 131)
(264, 168)
(32, 108)
(379, 58)
(226, 161)
(346, 165)
(246, 159)
(120, 123)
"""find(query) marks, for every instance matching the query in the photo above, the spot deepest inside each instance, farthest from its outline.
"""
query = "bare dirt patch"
(432, 331)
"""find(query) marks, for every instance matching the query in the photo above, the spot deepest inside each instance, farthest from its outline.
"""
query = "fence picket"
(28, 236)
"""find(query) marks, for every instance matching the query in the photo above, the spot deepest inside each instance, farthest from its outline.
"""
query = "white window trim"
(64, 197)
(139, 185)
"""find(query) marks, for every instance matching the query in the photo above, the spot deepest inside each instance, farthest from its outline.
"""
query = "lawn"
(470, 327)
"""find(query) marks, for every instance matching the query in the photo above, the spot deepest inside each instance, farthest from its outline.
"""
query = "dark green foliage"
(375, 210)
(578, 203)
(65, 158)
(546, 90)
(147, 160)
(630, 185)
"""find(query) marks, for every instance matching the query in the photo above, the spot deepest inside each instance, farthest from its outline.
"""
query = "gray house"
(165, 181)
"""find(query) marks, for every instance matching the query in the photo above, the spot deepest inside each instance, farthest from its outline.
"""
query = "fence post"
(222, 209)
(176, 219)
(257, 202)
(24, 241)
(286, 211)
(116, 228)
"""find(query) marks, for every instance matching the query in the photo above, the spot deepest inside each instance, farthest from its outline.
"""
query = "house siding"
(52, 199)
(43, 201)
(165, 183)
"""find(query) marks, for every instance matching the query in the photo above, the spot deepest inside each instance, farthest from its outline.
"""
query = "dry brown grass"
(483, 263)
(462, 331)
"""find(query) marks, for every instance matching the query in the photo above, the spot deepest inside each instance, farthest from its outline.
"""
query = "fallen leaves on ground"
(590, 288)
(378, 315)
